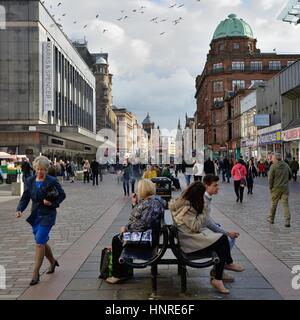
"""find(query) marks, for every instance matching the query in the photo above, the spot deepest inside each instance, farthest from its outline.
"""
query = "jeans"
(126, 187)
(283, 195)
(187, 179)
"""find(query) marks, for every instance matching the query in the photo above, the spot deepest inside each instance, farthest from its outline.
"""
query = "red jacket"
(238, 172)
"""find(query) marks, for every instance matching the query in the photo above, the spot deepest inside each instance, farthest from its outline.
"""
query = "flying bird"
(105, 30)
(74, 22)
(164, 20)
(162, 33)
(85, 26)
(59, 4)
(120, 19)
(97, 16)
(173, 5)
(180, 6)
(64, 14)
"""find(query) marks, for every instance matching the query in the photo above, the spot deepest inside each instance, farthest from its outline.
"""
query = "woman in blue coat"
(43, 212)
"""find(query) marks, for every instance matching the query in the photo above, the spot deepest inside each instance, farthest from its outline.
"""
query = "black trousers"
(221, 247)
(250, 185)
(86, 177)
(295, 175)
(95, 178)
(239, 191)
(132, 185)
(118, 270)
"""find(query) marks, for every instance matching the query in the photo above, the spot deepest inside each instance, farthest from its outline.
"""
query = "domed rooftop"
(147, 120)
(101, 60)
(233, 27)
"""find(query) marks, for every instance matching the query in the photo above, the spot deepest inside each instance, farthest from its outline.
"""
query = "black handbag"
(51, 193)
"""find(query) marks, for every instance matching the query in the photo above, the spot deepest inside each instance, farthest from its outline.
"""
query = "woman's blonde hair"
(145, 189)
(42, 162)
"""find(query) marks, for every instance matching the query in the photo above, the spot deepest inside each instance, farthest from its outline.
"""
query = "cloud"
(156, 73)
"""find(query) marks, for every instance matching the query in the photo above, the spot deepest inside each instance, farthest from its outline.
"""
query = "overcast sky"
(155, 72)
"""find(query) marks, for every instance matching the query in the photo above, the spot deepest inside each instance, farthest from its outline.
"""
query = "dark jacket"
(279, 176)
(95, 167)
(46, 214)
(294, 165)
(209, 167)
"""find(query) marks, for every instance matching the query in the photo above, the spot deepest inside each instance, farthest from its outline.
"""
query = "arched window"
(2, 18)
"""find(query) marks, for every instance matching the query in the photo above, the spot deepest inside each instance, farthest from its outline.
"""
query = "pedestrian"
(251, 174)
(86, 171)
(126, 179)
(279, 176)
(26, 169)
(225, 166)
(217, 167)
(195, 238)
(149, 173)
(95, 172)
(211, 183)
(239, 174)
(209, 167)
(147, 213)
(261, 168)
(46, 195)
(198, 171)
(70, 169)
(187, 170)
(167, 173)
(294, 165)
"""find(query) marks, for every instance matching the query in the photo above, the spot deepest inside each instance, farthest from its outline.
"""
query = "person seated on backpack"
(147, 212)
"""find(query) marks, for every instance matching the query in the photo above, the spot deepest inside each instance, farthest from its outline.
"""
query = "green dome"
(233, 27)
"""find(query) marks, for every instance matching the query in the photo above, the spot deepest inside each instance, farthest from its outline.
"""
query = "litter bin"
(163, 187)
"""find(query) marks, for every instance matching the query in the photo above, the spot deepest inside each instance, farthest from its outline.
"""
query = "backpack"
(105, 264)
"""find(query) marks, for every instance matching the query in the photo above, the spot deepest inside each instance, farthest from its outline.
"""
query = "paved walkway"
(91, 216)
(83, 206)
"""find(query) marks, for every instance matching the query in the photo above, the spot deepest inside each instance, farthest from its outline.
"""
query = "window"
(238, 84)
(274, 65)
(215, 135)
(218, 86)
(2, 18)
(222, 47)
(238, 65)
(236, 45)
(254, 82)
(290, 62)
(218, 67)
(218, 102)
(256, 65)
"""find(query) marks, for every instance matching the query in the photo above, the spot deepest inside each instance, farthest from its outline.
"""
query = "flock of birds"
(124, 16)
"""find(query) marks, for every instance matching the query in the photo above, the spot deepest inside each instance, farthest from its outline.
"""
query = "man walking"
(294, 165)
(95, 171)
(279, 176)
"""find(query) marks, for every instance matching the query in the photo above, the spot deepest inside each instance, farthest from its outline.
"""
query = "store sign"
(48, 77)
(270, 138)
(262, 120)
(292, 134)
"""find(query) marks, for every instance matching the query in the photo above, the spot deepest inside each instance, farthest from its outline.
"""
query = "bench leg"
(154, 279)
(182, 269)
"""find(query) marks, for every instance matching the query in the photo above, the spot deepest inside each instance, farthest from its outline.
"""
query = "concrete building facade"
(47, 92)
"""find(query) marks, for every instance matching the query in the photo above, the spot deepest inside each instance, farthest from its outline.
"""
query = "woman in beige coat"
(189, 216)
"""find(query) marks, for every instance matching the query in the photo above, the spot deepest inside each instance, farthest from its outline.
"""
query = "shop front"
(291, 140)
(269, 142)
(249, 148)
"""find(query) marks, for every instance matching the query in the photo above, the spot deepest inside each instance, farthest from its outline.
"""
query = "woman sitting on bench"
(148, 210)
(189, 217)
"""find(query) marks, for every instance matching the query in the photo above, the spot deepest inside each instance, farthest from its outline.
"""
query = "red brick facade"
(232, 63)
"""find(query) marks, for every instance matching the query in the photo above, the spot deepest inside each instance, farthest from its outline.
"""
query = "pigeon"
(173, 5)
(97, 16)
(162, 33)
(105, 30)
(59, 4)
(85, 26)
(180, 6)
